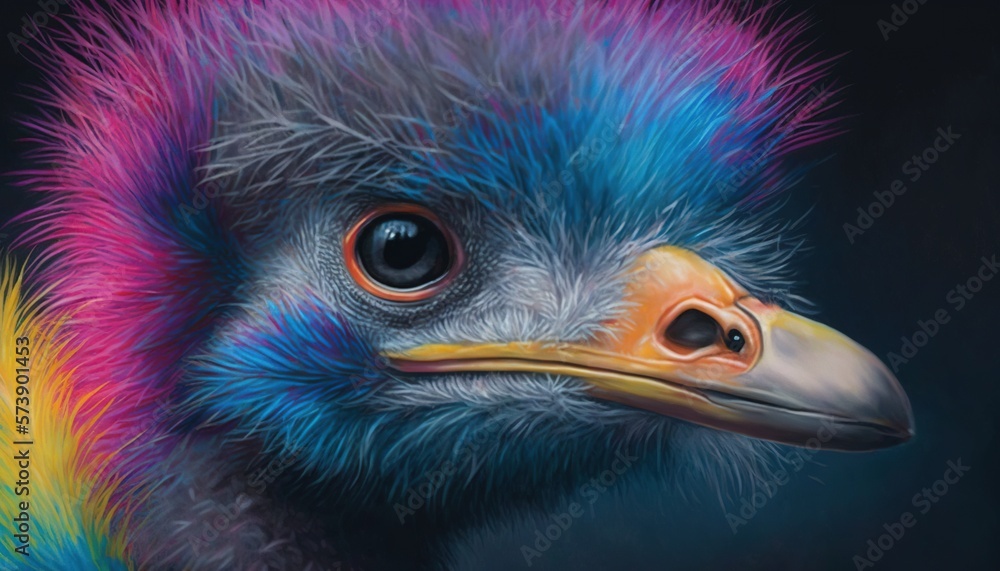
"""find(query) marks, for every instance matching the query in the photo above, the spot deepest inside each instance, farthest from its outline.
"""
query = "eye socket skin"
(402, 253)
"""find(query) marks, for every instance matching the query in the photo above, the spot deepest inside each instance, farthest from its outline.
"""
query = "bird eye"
(401, 253)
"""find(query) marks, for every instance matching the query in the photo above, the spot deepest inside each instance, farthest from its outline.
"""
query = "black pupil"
(403, 251)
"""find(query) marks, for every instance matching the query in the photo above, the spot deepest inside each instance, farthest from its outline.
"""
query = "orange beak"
(696, 346)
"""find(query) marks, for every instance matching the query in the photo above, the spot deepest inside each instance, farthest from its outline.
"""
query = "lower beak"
(695, 346)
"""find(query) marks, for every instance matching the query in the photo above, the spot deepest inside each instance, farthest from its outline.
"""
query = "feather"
(50, 485)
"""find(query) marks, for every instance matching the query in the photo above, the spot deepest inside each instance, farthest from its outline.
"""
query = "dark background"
(939, 69)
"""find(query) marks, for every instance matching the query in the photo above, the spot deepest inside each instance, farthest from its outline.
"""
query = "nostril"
(693, 329)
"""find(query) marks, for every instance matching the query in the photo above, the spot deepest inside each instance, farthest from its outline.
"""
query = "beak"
(694, 345)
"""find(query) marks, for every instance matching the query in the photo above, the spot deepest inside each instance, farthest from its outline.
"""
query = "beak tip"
(903, 431)
(843, 381)
(901, 435)
(896, 406)
(896, 423)
(907, 430)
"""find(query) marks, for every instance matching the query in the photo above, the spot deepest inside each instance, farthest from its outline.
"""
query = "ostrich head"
(507, 242)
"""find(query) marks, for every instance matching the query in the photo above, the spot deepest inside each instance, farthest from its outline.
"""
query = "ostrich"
(303, 262)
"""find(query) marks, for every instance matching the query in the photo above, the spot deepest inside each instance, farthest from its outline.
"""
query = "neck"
(239, 508)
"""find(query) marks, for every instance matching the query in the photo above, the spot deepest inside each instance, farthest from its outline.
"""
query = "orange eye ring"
(356, 268)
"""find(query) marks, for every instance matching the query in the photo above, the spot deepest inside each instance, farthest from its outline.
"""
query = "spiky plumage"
(207, 155)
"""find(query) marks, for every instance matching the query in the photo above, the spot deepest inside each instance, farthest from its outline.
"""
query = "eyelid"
(356, 269)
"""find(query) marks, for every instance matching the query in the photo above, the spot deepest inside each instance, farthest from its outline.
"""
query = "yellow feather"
(70, 511)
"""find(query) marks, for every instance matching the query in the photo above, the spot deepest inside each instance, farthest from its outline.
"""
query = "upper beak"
(695, 346)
